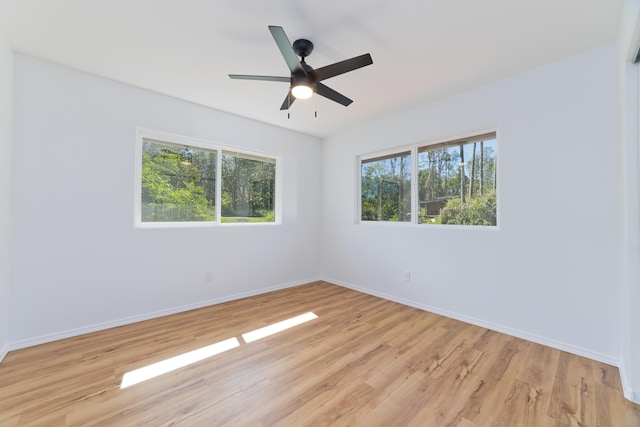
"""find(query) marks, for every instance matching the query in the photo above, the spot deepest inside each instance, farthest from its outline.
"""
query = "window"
(457, 182)
(454, 181)
(248, 188)
(178, 183)
(181, 181)
(386, 188)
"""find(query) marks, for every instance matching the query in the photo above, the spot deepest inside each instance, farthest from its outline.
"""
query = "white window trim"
(414, 184)
(142, 133)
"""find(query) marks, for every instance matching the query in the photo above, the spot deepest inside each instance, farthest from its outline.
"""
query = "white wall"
(551, 273)
(629, 111)
(78, 262)
(6, 111)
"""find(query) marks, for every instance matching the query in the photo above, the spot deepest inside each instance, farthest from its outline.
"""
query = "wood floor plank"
(573, 400)
(363, 361)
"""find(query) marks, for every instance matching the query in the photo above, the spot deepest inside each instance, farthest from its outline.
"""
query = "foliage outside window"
(193, 184)
(386, 188)
(178, 183)
(248, 188)
(455, 180)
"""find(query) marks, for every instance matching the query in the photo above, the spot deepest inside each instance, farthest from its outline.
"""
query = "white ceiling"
(421, 49)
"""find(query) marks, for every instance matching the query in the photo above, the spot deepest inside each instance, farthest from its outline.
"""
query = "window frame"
(220, 149)
(414, 150)
(394, 152)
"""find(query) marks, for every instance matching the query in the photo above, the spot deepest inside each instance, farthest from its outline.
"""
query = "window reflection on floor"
(185, 359)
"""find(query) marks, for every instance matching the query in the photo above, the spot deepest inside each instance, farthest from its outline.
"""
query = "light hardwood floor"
(364, 361)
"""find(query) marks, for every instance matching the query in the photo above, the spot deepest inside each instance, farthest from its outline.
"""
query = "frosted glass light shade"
(302, 91)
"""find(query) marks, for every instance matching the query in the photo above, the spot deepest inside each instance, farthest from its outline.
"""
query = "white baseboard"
(626, 387)
(594, 355)
(139, 318)
(3, 352)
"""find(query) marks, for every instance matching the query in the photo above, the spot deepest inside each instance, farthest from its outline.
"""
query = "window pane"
(178, 183)
(457, 182)
(386, 188)
(248, 188)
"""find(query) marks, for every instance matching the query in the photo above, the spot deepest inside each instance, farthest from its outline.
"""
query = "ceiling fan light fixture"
(304, 80)
(302, 91)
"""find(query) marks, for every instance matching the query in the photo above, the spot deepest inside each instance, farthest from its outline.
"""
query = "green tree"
(386, 189)
(474, 211)
(454, 171)
(438, 174)
(248, 186)
(172, 186)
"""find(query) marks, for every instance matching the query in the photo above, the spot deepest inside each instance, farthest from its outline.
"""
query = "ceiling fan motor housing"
(302, 47)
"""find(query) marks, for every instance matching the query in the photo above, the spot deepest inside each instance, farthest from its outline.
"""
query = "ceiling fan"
(304, 80)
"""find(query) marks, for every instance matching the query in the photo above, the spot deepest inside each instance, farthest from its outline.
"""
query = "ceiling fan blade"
(286, 49)
(327, 92)
(343, 66)
(288, 101)
(265, 78)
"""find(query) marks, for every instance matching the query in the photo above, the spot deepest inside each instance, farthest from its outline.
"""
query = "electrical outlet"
(406, 276)
(208, 276)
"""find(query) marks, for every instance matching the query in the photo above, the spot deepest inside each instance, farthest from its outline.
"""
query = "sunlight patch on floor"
(185, 359)
(278, 327)
(168, 365)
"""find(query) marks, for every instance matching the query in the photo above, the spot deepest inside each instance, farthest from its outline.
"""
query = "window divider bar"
(415, 202)
(219, 186)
